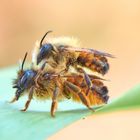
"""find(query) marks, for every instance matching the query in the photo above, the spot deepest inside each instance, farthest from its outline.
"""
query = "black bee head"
(45, 49)
(25, 81)
(44, 52)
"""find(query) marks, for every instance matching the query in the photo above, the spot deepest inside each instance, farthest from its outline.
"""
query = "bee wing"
(90, 51)
(93, 77)
(102, 53)
(97, 77)
(73, 75)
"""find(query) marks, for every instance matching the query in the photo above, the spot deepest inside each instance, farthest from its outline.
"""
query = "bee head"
(45, 50)
(24, 80)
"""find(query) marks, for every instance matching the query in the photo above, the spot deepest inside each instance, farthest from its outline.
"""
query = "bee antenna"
(24, 60)
(44, 37)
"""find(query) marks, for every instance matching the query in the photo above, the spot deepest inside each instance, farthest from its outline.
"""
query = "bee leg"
(75, 89)
(69, 63)
(13, 100)
(29, 99)
(39, 73)
(65, 70)
(87, 80)
(54, 101)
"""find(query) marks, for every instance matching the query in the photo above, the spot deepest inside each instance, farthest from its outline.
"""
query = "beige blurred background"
(109, 25)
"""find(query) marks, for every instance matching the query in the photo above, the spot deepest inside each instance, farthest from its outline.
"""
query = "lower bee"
(63, 52)
(49, 85)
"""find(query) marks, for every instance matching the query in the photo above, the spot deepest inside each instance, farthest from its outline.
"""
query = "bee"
(44, 85)
(63, 52)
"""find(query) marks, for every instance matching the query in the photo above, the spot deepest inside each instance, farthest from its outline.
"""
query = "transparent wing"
(90, 51)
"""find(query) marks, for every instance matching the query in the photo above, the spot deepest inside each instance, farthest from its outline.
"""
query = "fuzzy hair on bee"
(66, 51)
(54, 58)
(44, 85)
(64, 54)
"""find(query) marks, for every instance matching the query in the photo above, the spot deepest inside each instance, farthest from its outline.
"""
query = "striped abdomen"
(94, 62)
(98, 94)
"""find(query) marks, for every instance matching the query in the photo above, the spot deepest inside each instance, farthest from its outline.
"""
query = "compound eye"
(43, 49)
(46, 48)
(44, 52)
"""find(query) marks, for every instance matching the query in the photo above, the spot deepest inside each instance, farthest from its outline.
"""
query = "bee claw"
(8, 102)
(23, 110)
(12, 101)
(52, 115)
(92, 109)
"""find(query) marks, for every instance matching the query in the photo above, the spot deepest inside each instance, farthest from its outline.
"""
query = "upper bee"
(63, 52)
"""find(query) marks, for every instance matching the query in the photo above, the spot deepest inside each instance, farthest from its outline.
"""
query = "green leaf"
(36, 123)
(129, 100)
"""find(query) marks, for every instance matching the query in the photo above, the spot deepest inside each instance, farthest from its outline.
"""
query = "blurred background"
(111, 26)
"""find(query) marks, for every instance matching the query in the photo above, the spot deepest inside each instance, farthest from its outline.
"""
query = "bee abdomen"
(102, 92)
(95, 63)
(98, 94)
(100, 66)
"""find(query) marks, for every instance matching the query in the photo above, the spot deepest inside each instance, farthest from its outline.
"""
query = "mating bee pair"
(57, 72)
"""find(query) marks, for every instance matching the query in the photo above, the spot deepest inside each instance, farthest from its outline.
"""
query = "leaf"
(129, 100)
(36, 123)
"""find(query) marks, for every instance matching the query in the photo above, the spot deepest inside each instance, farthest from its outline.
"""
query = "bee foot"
(36, 84)
(12, 101)
(23, 110)
(92, 109)
(52, 115)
